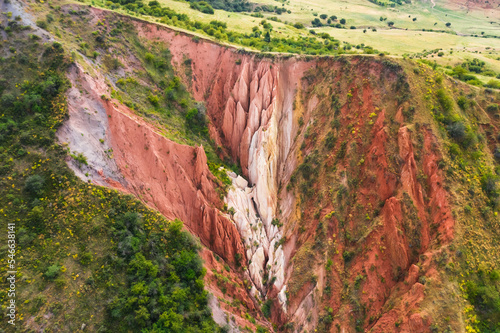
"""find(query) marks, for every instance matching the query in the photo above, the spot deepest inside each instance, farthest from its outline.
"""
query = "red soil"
(241, 92)
(174, 179)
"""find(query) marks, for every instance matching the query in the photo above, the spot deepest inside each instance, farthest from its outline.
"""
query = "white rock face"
(220, 316)
(241, 182)
(86, 130)
(282, 297)
(255, 205)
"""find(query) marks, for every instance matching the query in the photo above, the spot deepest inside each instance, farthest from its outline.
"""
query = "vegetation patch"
(87, 255)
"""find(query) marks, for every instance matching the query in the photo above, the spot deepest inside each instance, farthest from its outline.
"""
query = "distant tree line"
(258, 39)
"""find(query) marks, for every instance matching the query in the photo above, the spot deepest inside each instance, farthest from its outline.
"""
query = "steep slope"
(190, 197)
(81, 257)
(344, 216)
(369, 218)
(381, 264)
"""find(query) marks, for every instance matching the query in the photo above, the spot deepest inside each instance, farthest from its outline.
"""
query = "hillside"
(448, 32)
(349, 192)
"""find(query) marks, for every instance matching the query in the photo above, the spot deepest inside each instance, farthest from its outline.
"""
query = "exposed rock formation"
(250, 103)
(171, 177)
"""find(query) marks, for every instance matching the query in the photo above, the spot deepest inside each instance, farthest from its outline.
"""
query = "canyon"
(251, 113)
(163, 175)
(286, 244)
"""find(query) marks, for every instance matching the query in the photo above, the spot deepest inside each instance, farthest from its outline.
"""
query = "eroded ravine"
(257, 126)
(254, 120)
(250, 104)
(255, 202)
(175, 179)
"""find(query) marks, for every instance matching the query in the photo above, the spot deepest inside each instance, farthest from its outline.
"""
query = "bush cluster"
(257, 39)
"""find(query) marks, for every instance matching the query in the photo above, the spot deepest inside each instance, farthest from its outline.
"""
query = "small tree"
(323, 16)
(342, 21)
(149, 57)
(457, 131)
(390, 23)
(52, 272)
(316, 23)
(448, 24)
(34, 185)
(267, 37)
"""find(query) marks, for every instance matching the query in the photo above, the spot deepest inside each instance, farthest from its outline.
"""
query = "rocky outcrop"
(86, 131)
(410, 182)
(440, 208)
(133, 157)
(253, 119)
(250, 105)
(257, 128)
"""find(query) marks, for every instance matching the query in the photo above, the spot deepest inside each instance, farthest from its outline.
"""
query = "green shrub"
(169, 274)
(489, 185)
(276, 223)
(484, 294)
(25, 237)
(495, 84)
(463, 102)
(150, 58)
(85, 258)
(316, 23)
(41, 24)
(457, 131)
(342, 150)
(35, 216)
(7, 100)
(60, 282)
(153, 99)
(348, 256)
(34, 185)
(444, 100)
(492, 107)
(496, 153)
(80, 159)
(52, 272)
(196, 120)
(111, 63)
(266, 308)
(330, 140)
(202, 6)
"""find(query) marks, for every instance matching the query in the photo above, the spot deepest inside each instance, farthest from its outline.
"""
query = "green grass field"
(405, 38)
